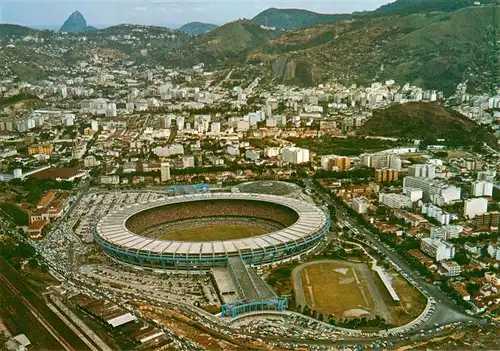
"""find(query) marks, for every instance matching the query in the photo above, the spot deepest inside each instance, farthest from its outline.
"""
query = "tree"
(461, 258)
(472, 288)
(33, 263)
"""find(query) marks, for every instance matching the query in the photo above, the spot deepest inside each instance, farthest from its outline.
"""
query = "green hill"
(292, 19)
(426, 121)
(8, 31)
(197, 28)
(432, 50)
(227, 44)
(406, 7)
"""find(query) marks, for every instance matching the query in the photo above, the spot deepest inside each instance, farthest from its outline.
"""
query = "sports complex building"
(228, 232)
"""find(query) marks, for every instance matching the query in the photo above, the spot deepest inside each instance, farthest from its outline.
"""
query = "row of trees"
(18, 216)
(351, 323)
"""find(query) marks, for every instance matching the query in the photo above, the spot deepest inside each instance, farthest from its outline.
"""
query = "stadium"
(202, 231)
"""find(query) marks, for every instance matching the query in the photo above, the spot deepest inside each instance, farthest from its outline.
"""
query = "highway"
(446, 312)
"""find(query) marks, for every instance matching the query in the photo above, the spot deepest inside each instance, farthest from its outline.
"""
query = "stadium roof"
(113, 230)
(270, 187)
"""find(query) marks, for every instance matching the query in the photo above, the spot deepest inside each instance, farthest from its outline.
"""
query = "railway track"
(15, 293)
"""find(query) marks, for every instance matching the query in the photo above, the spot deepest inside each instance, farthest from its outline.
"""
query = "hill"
(8, 31)
(428, 122)
(20, 102)
(292, 19)
(227, 44)
(431, 50)
(76, 23)
(406, 7)
(197, 28)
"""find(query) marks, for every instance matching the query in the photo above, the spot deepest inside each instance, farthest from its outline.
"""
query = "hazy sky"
(161, 12)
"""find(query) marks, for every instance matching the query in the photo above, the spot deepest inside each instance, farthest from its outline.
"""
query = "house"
(35, 228)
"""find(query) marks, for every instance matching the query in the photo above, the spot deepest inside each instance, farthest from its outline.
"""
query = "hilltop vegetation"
(227, 44)
(20, 101)
(197, 28)
(434, 44)
(428, 122)
(292, 19)
(431, 50)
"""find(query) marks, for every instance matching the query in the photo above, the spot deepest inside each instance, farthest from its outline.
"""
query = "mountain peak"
(75, 23)
(197, 28)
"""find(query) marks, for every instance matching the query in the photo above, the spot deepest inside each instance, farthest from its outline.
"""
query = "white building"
(252, 154)
(165, 171)
(68, 119)
(437, 213)
(111, 179)
(360, 204)
(215, 127)
(382, 160)
(111, 110)
(452, 268)
(188, 161)
(295, 155)
(242, 126)
(395, 200)
(422, 171)
(180, 122)
(482, 188)
(437, 249)
(446, 232)
(91, 161)
(414, 194)
(272, 151)
(433, 190)
(169, 150)
(488, 176)
(94, 125)
(475, 206)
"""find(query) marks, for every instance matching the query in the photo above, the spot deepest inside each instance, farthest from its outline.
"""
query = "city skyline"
(159, 12)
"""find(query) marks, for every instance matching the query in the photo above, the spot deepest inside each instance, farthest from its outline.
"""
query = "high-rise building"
(489, 219)
(382, 160)
(188, 161)
(497, 256)
(437, 249)
(488, 176)
(215, 127)
(414, 194)
(295, 155)
(395, 200)
(482, 188)
(386, 175)
(180, 122)
(272, 151)
(252, 154)
(165, 171)
(475, 206)
(360, 204)
(335, 163)
(422, 171)
(446, 232)
(433, 190)
(45, 149)
(433, 211)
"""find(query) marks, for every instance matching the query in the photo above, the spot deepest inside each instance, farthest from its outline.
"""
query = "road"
(446, 312)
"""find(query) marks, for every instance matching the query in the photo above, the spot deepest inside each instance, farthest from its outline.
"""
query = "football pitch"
(340, 290)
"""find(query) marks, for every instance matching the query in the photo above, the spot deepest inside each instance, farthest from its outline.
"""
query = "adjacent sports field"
(340, 290)
(213, 233)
